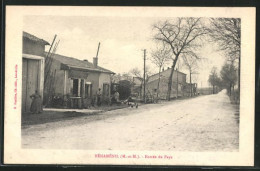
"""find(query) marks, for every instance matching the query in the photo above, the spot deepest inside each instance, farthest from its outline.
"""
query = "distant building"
(178, 83)
(32, 69)
(137, 87)
(77, 81)
(206, 90)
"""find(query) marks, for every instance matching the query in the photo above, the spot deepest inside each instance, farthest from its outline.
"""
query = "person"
(99, 97)
(36, 106)
(155, 99)
(131, 102)
(116, 95)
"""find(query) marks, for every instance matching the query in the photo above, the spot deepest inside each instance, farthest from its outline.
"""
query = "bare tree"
(126, 76)
(227, 33)
(160, 57)
(192, 65)
(181, 35)
(116, 78)
(138, 73)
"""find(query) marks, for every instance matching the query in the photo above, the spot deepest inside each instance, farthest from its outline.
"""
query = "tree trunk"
(158, 85)
(170, 85)
(141, 90)
(239, 62)
(213, 89)
(230, 89)
(190, 86)
(170, 79)
(177, 83)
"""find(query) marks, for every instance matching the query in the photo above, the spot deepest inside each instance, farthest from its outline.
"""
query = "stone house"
(178, 84)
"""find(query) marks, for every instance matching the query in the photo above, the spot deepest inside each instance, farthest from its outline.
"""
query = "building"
(178, 83)
(137, 87)
(32, 69)
(74, 83)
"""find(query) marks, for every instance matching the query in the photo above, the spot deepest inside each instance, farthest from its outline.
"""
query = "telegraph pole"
(144, 75)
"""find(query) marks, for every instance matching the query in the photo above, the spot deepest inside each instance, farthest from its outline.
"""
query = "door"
(105, 90)
(30, 81)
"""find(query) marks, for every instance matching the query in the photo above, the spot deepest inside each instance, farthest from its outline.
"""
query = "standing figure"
(36, 106)
(155, 96)
(116, 95)
(99, 97)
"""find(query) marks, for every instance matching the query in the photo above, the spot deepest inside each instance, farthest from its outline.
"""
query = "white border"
(14, 154)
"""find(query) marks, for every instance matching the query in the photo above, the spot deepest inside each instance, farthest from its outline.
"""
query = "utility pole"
(144, 75)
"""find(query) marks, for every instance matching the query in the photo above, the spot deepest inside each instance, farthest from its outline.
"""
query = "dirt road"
(206, 123)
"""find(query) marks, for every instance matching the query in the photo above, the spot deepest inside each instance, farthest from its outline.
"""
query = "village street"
(204, 123)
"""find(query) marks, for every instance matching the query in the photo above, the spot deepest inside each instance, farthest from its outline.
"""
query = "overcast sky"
(122, 41)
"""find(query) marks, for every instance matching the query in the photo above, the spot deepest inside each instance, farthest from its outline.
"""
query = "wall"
(164, 88)
(94, 79)
(104, 78)
(32, 47)
(205, 91)
(153, 83)
(166, 74)
(137, 81)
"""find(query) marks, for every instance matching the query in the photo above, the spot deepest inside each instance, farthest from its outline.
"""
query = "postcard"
(126, 85)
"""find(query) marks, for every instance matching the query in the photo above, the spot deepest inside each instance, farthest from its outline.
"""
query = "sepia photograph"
(100, 86)
(125, 85)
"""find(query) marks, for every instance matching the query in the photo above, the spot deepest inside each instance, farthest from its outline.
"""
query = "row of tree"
(226, 79)
(182, 38)
(180, 41)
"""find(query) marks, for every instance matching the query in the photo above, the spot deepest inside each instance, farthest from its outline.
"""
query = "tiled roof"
(34, 38)
(76, 63)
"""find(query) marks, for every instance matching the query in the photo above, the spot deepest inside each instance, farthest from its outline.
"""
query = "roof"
(34, 38)
(74, 63)
(166, 71)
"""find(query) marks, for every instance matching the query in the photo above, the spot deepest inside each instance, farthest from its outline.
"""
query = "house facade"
(76, 82)
(178, 84)
(32, 69)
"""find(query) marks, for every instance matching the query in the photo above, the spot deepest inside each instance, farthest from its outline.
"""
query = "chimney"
(95, 62)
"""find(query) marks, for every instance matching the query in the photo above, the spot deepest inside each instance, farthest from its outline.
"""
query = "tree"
(181, 36)
(127, 76)
(116, 78)
(214, 79)
(229, 76)
(160, 57)
(191, 64)
(226, 32)
(138, 73)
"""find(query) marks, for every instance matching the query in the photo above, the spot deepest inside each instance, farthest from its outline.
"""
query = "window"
(88, 90)
(75, 89)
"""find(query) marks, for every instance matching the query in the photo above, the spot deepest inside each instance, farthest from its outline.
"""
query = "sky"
(122, 41)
